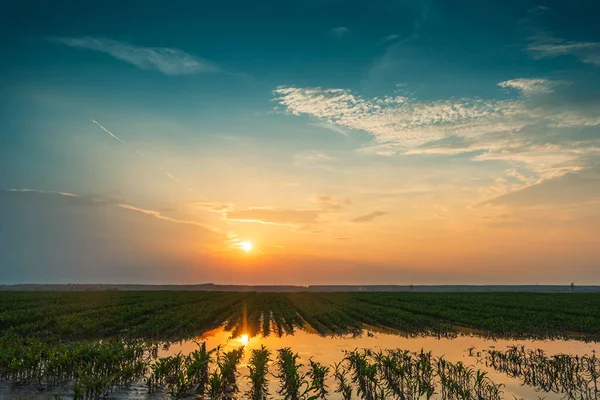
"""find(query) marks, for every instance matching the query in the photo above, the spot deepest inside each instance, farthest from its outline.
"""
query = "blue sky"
(374, 140)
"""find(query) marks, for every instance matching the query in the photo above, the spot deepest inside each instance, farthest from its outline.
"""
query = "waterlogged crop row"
(95, 369)
(169, 315)
(575, 376)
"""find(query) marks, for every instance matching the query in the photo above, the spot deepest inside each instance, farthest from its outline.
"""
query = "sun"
(246, 246)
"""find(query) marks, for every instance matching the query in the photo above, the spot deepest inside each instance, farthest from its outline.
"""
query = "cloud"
(533, 86)
(312, 158)
(211, 206)
(331, 127)
(277, 216)
(77, 199)
(340, 31)
(401, 119)
(329, 203)
(546, 45)
(369, 217)
(158, 215)
(72, 198)
(530, 129)
(66, 194)
(569, 189)
(169, 61)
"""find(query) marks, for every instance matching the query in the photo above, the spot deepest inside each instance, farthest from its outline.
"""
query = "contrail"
(109, 132)
(139, 153)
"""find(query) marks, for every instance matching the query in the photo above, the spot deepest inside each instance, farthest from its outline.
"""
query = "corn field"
(572, 375)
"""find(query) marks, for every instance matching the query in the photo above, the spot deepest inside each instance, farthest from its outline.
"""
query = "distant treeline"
(310, 288)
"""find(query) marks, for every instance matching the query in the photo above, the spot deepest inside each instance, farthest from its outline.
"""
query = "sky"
(349, 142)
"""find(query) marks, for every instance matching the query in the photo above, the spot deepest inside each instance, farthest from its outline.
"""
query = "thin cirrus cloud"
(275, 216)
(159, 215)
(303, 219)
(78, 199)
(211, 206)
(169, 61)
(330, 203)
(489, 129)
(369, 217)
(546, 45)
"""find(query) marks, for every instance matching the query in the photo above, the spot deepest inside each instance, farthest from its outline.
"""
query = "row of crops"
(61, 316)
(94, 369)
(574, 375)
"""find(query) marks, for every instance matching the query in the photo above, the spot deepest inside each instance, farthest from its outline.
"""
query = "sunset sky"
(364, 142)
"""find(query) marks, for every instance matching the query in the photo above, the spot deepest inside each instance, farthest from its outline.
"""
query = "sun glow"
(246, 246)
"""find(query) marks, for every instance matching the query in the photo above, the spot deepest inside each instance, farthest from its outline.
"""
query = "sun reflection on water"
(244, 339)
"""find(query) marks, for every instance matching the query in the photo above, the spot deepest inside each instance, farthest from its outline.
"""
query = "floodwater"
(330, 349)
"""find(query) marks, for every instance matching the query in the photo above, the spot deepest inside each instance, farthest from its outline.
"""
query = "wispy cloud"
(159, 215)
(530, 128)
(211, 206)
(330, 203)
(340, 31)
(569, 189)
(169, 61)
(277, 216)
(95, 200)
(331, 127)
(533, 86)
(369, 217)
(313, 158)
(66, 194)
(545, 44)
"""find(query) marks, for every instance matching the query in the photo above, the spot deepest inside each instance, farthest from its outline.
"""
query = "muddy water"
(329, 349)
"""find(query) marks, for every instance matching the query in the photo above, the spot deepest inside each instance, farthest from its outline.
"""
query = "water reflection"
(329, 349)
(469, 349)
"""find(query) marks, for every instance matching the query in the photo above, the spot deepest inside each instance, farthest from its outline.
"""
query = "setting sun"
(246, 246)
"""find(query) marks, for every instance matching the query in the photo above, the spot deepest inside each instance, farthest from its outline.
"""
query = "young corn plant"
(258, 369)
(293, 383)
(344, 386)
(198, 364)
(317, 374)
(228, 363)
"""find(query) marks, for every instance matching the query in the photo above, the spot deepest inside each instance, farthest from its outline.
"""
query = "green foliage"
(575, 376)
(258, 367)
(182, 375)
(170, 315)
(95, 368)
(293, 384)
(343, 383)
(318, 373)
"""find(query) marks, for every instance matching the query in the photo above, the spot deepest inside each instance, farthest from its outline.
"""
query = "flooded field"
(311, 347)
(330, 349)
